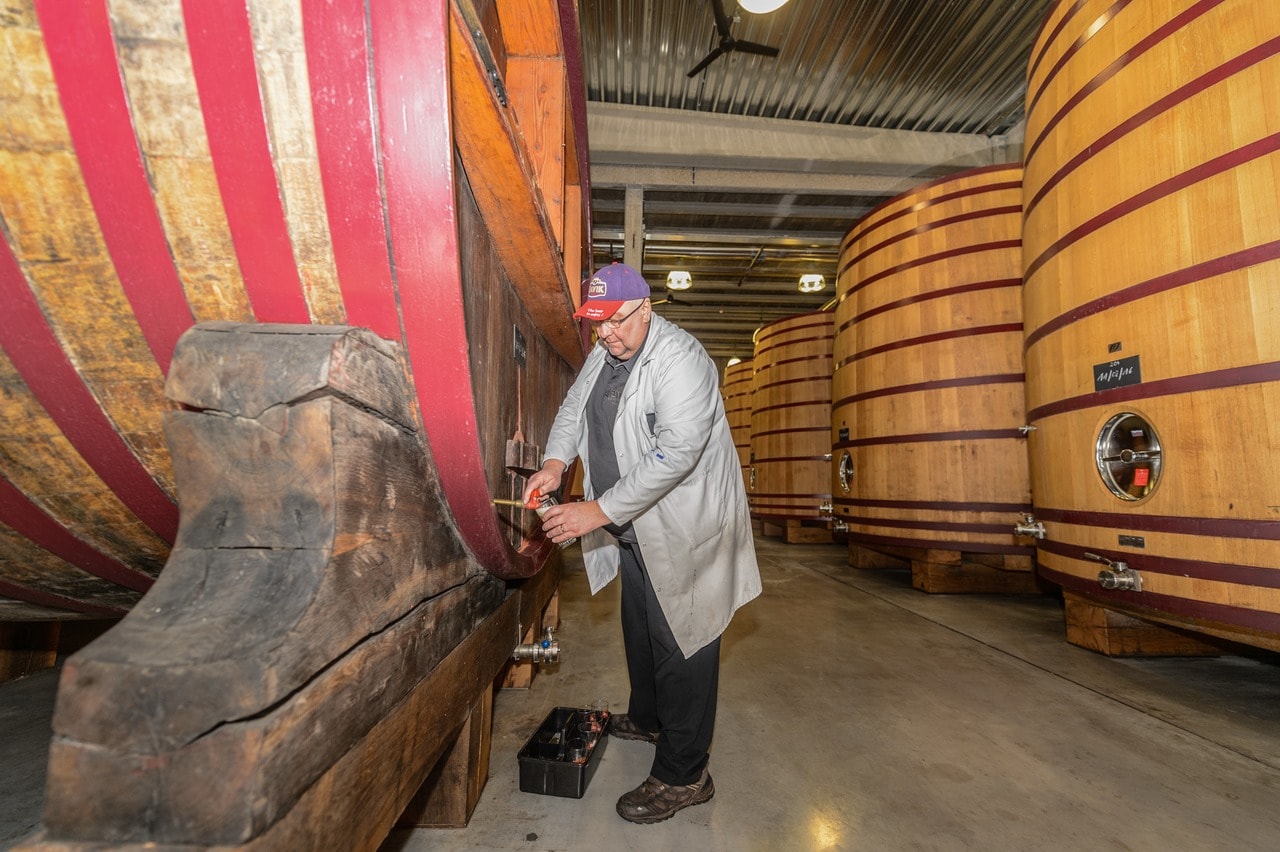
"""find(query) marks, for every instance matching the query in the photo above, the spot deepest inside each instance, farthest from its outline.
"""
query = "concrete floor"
(857, 713)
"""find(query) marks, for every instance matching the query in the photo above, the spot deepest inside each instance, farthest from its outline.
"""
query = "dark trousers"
(669, 694)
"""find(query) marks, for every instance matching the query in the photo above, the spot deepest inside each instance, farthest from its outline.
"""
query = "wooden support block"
(772, 530)
(449, 795)
(317, 611)
(354, 804)
(955, 573)
(27, 647)
(796, 532)
(1116, 634)
(867, 559)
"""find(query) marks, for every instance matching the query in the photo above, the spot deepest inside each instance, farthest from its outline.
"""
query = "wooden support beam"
(490, 142)
(573, 229)
(528, 29)
(412, 737)
(452, 789)
(538, 92)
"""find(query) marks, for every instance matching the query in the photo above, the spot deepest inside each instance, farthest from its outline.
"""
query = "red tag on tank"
(1141, 476)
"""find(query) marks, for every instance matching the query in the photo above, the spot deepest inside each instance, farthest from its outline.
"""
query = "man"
(665, 501)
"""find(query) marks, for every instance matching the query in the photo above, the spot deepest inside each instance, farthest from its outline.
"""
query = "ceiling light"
(812, 283)
(759, 7)
(733, 361)
(677, 280)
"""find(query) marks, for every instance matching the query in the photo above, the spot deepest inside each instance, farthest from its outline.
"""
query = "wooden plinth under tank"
(1152, 301)
(929, 465)
(374, 212)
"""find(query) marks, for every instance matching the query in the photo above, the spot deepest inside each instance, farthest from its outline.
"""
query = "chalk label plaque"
(1117, 374)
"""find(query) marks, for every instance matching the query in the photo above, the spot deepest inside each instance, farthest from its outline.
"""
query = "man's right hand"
(545, 480)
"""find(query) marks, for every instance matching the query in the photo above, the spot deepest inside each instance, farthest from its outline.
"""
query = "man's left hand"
(571, 520)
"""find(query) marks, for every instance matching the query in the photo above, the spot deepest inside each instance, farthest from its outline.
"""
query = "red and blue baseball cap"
(608, 289)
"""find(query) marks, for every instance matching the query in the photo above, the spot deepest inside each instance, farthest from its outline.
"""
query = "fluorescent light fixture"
(760, 7)
(733, 361)
(812, 283)
(677, 280)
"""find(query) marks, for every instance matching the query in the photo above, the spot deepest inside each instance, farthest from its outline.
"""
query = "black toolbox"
(547, 761)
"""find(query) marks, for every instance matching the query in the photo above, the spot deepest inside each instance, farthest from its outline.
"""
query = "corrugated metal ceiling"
(949, 66)
(937, 67)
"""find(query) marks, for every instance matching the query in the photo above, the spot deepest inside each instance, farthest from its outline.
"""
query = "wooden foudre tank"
(928, 460)
(736, 390)
(788, 483)
(369, 212)
(1152, 257)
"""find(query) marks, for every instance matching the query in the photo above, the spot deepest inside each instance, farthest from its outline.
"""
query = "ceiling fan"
(728, 44)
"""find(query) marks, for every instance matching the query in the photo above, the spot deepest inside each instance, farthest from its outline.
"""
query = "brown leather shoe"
(623, 728)
(654, 801)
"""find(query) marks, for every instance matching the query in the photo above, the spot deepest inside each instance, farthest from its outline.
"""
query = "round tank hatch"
(845, 472)
(1128, 456)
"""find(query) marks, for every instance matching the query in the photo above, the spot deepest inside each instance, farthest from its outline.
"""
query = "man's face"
(624, 333)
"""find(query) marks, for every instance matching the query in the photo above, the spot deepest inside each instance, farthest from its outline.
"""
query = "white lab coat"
(681, 484)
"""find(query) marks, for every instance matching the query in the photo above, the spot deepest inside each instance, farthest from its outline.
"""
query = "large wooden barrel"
(736, 389)
(790, 420)
(927, 395)
(165, 163)
(1152, 255)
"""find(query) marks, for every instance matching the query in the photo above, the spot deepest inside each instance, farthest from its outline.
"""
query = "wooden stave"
(1210, 546)
(94, 550)
(891, 263)
(790, 410)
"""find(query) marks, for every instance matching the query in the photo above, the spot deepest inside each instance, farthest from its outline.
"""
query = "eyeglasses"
(614, 323)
